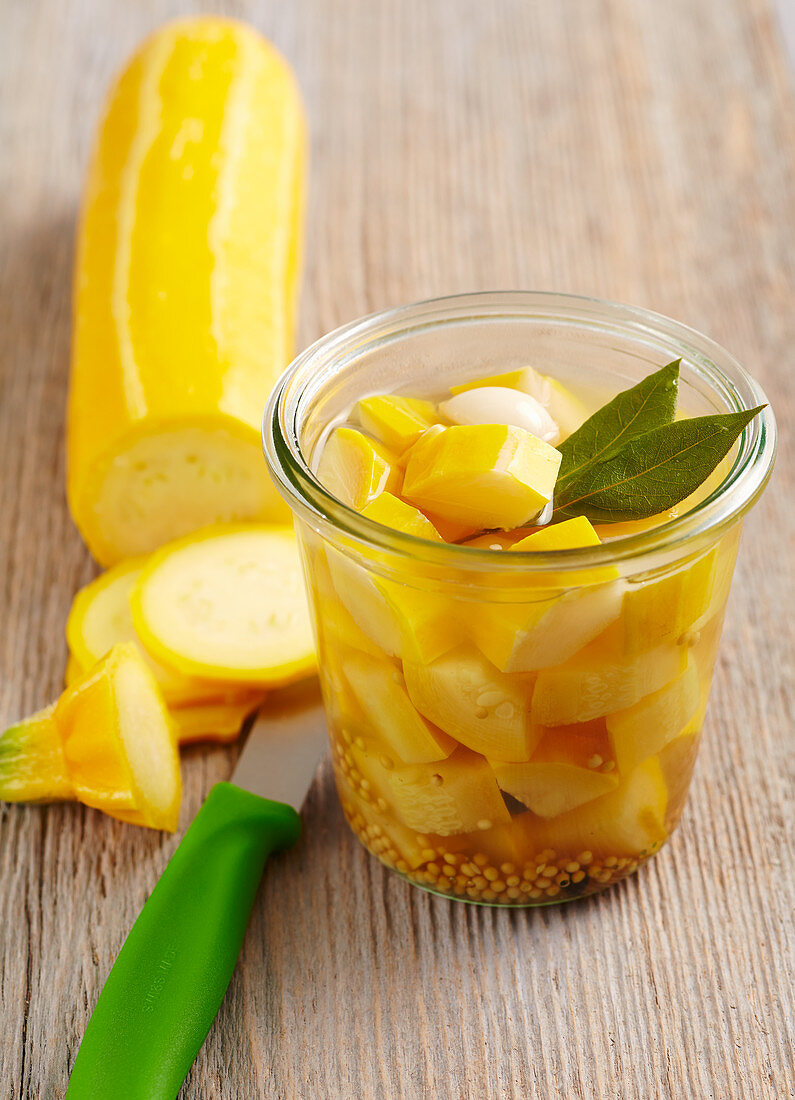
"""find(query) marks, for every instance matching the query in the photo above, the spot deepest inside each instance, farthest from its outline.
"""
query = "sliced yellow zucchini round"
(100, 618)
(227, 603)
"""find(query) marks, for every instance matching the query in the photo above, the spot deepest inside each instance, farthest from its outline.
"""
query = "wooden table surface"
(641, 151)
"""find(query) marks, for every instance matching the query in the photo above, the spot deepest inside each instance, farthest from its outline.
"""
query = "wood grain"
(632, 150)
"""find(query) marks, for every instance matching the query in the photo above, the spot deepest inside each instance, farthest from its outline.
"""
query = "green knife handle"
(167, 984)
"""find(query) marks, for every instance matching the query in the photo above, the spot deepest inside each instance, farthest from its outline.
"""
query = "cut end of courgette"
(32, 767)
(118, 741)
(148, 741)
(167, 483)
(228, 603)
(108, 742)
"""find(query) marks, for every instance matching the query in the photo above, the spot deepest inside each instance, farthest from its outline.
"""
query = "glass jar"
(516, 728)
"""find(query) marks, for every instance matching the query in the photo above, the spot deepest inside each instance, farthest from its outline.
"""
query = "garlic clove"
(566, 409)
(537, 385)
(500, 405)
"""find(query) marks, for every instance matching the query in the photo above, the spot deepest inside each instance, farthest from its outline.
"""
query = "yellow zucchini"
(185, 288)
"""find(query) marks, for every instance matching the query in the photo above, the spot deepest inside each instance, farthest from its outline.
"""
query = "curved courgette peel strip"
(107, 742)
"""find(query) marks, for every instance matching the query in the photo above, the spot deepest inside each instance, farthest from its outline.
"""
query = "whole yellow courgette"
(185, 288)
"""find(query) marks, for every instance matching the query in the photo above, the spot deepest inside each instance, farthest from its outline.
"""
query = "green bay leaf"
(649, 404)
(651, 472)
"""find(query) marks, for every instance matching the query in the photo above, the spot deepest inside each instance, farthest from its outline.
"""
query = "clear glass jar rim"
(315, 367)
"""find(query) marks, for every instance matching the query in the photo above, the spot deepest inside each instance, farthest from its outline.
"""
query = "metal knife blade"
(285, 745)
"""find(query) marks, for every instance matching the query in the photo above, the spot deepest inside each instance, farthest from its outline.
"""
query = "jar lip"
(728, 502)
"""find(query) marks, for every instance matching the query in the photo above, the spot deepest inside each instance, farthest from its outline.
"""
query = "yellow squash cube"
(450, 531)
(552, 788)
(427, 621)
(567, 535)
(726, 554)
(571, 534)
(380, 831)
(663, 609)
(677, 761)
(486, 475)
(595, 683)
(457, 795)
(570, 766)
(397, 422)
(356, 589)
(510, 379)
(355, 469)
(474, 702)
(629, 821)
(336, 627)
(339, 630)
(393, 512)
(642, 730)
(380, 692)
(567, 410)
(342, 709)
(525, 637)
(402, 621)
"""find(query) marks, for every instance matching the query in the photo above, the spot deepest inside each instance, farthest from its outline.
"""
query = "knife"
(167, 984)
